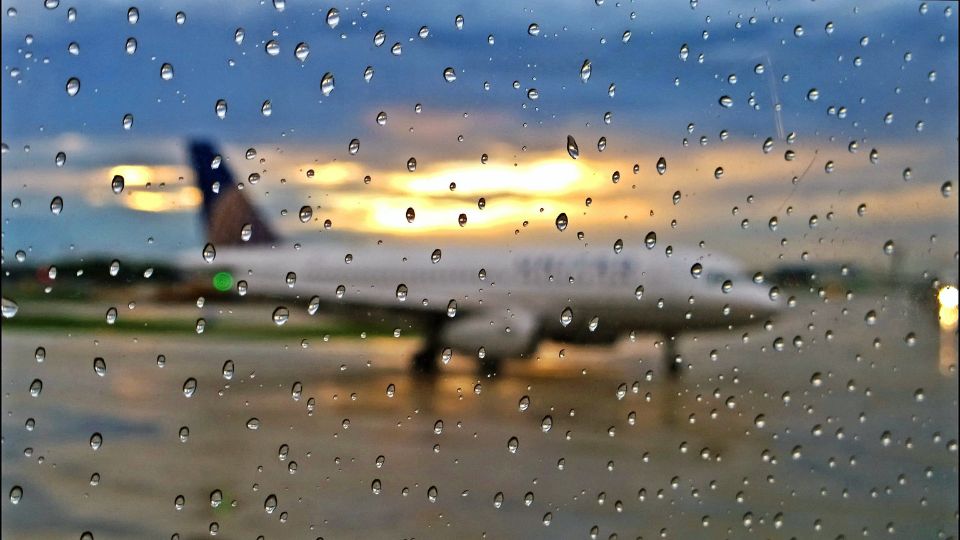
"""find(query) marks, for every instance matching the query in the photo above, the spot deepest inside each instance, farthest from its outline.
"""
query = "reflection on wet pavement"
(845, 436)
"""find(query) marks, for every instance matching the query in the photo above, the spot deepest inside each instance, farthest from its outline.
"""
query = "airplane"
(493, 304)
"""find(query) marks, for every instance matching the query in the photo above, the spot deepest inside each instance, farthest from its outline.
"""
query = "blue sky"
(657, 97)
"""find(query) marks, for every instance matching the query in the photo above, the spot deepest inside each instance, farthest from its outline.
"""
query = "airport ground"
(850, 435)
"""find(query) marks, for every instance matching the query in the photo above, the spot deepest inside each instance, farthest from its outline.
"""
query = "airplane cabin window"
(600, 269)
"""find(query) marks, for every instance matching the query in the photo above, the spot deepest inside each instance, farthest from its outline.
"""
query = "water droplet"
(99, 366)
(267, 108)
(412, 164)
(253, 424)
(458, 22)
(96, 441)
(662, 166)
(8, 308)
(272, 47)
(402, 292)
(189, 387)
(379, 38)
(354, 147)
(566, 316)
(16, 493)
(449, 74)
(561, 222)
(127, 122)
(572, 147)
(111, 315)
(228, 369)
(166, 72)
(280, 316)
(36, 387)
(585, 70)
(131, 45)
(221, 108)
(209, 253)
(133, 15)
(726, 102)
(56, 205)
(452, 309)
(618, 246)
(888, 247)
(696, 270)
(650, 240)
(411, 215)
(513, 445)
(73, 86)
(333, 18)
(326, 83)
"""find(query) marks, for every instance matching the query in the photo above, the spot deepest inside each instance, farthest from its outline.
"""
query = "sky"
(881, 74)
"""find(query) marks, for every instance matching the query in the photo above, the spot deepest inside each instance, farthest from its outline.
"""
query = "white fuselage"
(482, 296)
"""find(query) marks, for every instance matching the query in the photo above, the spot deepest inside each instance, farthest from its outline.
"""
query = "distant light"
(222, 281)
(948, 296)
(948, 307)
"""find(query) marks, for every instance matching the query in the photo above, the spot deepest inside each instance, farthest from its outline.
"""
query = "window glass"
(606, 269)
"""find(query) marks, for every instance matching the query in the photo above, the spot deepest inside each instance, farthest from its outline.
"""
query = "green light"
(222, 281)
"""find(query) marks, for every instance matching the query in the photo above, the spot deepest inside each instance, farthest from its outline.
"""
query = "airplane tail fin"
(226, 209)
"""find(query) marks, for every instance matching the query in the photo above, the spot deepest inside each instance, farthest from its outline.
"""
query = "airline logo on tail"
(226, 210)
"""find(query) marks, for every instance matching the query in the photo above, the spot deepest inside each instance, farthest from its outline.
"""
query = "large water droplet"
(302, 51)
(8, 308)
(585, 70)
(326, 83)
(73, 86)
(221, 108)
(572, 149)
(56, 205)
(280, 316)
(662, 165)
(333, 18)
(209, 253)
(190, 387)
(100, 366)
(650, 240)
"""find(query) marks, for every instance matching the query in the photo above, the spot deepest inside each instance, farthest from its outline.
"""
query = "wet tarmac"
(848, 435)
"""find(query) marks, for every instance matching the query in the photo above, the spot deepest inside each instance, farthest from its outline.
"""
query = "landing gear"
(424, 362)
(489, 366)
(670, 357)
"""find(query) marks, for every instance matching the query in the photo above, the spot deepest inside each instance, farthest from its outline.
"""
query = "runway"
(849, 430)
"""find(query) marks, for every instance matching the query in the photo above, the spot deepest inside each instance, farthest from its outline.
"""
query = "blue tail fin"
(226, 210)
